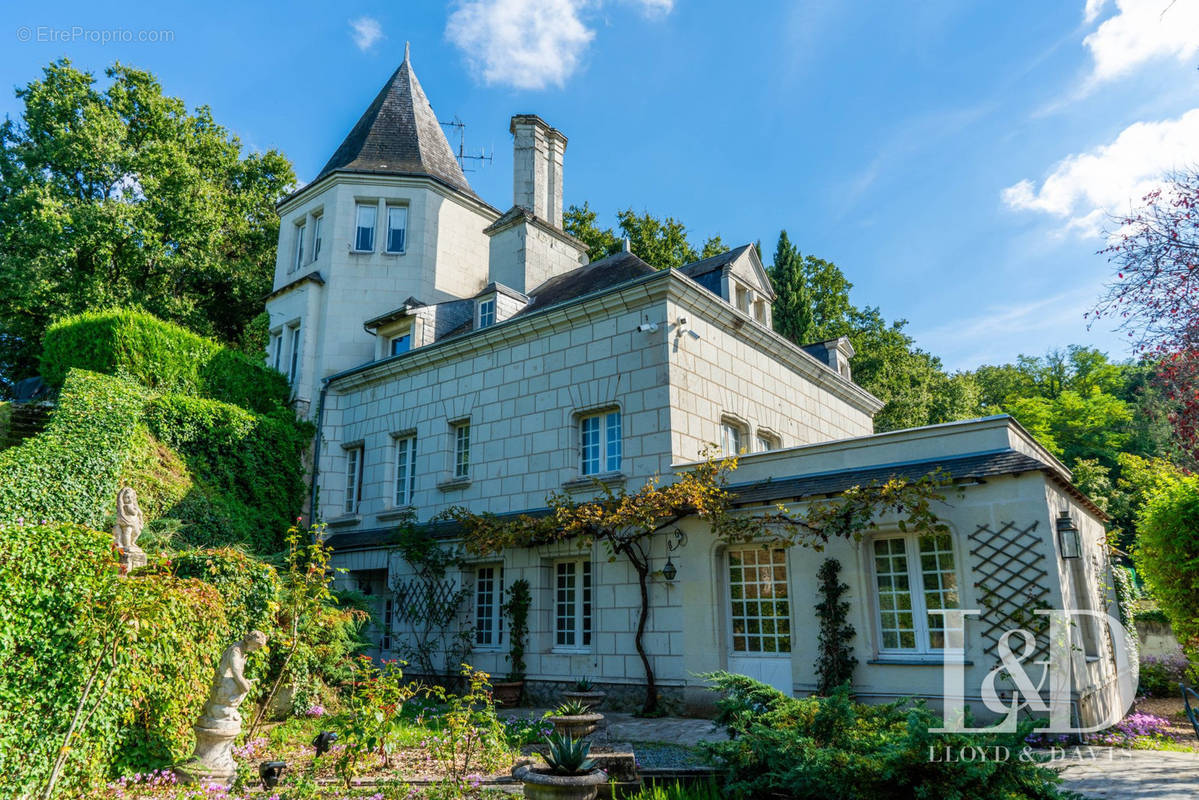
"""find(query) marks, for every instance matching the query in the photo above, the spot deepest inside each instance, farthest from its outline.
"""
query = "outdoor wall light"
(1068, 536)
(677, 539)
(270, 772)
(670, 570)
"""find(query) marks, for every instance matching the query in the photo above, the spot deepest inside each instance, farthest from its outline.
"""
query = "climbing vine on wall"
(835, 662)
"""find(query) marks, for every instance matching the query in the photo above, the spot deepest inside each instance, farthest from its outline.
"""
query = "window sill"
(395, 513)
(583, 483)
(362, 252)
(571, 651)
(918, 661)
(453, 484)
(395, 252)
(343, 520)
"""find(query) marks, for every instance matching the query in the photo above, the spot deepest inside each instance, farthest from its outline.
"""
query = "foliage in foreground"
(830, 747)
(1167, 553)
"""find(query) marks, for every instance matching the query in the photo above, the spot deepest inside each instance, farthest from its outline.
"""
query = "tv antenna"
(483, 157)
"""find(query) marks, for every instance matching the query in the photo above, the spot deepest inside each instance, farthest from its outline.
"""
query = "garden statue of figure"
(220, 722)
(127, 528)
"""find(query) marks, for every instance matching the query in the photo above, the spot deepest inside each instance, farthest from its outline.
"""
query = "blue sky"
(956, 160)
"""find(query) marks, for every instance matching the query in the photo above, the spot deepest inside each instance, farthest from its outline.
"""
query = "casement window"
(353, 478)
(915, 577)
(461, 449)
(293, 369)
(277, 351)
(364, 233)
(600, 439)
(572, 604)
(388, 619)
(316, 236)
(732, 438)
(401, 343)
(405, 470)
(759, 600)
(489, 589)
(742, 299)
(299, 262)
(766, 442)
(487, 313)
(760, 311)
(397, 228)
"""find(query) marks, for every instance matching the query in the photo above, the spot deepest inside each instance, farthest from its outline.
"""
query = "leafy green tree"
(581, 223)
(1168, 551)
(660, 242)
(120, 197)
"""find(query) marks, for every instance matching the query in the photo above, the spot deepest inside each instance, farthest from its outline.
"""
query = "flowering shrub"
(377, 697)
(1137, 730)
(470, 738)
(1160, 675)
(315, 711)
(527, 731)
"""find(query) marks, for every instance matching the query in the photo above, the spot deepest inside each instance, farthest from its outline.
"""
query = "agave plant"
(572, 708)
(584, 684)
(567, 756)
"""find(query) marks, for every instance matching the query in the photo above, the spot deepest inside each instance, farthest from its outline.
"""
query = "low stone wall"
(1157, 638)
(620, 696)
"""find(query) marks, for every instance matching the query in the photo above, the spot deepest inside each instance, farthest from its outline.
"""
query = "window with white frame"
(461, 432)
(767, 441)
(364, 230)
(742, 299)
(487, 312)
(601, 444)
(388, 618)
(732, 437)
(299, 262)
(397, 228)
(572, 604)
(405, 485)
(353, 478)
(489, 589)
(915, 576)
(316, 235)
(293, 368)
(277, 351)
(760, 311)
(759, 600)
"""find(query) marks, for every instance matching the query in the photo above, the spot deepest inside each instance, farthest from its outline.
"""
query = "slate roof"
(399, 135)
(976, 466)
(697, 268)
(594, 277)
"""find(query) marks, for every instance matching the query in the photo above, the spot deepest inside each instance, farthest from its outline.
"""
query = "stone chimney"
(538, 153)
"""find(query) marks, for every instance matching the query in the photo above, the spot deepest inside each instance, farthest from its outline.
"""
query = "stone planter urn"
(576, 726)
(541, 784)
(507, 693)
(592, 699)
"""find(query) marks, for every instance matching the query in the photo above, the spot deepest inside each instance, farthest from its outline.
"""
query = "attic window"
(743, 299)
(487, 312)
(760, 311)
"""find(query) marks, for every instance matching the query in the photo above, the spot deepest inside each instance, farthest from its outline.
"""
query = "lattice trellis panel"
(419, 601)
(1011, 581)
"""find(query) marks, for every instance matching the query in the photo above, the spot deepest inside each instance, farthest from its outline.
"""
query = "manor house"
(451, 353)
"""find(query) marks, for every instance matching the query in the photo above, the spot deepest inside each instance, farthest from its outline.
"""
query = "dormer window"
(487, 312)
(397, 228)
(364, 234)
(401, 342)
(743, 299)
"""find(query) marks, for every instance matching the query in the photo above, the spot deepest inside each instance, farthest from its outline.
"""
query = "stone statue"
(127, 528)
(220, 722)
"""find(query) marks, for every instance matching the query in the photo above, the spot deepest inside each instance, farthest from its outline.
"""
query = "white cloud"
(529, 44)
(1141, 31)
(1085, 188)
(1091, 12)
(365, 31)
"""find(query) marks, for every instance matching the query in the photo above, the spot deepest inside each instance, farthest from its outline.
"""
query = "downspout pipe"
(316, 448)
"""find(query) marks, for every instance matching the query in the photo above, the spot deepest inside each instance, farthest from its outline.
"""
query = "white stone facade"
(471, 368)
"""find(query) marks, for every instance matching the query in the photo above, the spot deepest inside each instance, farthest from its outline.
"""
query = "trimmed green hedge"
(247, 468)
(70, 471)
(61, 600)
(161, 356)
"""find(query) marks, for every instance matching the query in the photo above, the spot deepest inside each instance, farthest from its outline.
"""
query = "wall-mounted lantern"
(677, 539)
(1068, 537)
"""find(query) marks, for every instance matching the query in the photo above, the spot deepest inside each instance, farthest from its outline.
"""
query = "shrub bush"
(62, 601)
(1160, 675)
(1167, 550)
(250, 589)
(249, 476)
(822, 747)
(160, 356)
(70, 471)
